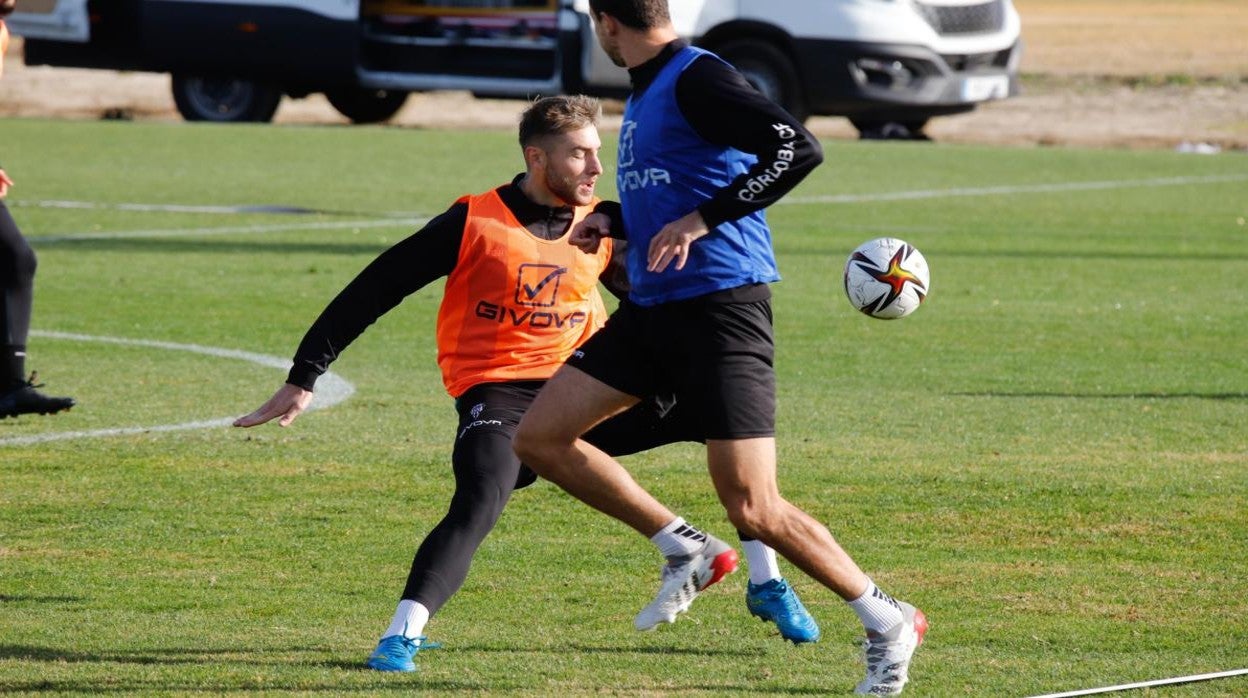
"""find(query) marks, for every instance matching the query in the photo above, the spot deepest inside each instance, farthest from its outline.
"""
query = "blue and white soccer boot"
(775, 601)
(395, 653)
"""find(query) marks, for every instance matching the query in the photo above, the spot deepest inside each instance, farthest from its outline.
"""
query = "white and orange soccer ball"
(886, 278)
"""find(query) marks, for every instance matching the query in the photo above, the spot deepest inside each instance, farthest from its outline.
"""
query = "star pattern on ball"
(894, 276)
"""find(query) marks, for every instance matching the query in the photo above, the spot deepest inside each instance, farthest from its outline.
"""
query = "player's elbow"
(818, 151)
(814, 153)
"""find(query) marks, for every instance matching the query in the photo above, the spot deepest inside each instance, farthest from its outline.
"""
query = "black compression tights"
(487, 472)
(485, 476)
(17, 282)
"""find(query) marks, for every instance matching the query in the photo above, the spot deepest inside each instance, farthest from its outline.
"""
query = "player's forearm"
(725, 110)
(791, 156)
(359, 305)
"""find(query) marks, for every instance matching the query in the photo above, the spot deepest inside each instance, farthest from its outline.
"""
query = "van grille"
(964, 19)
(977, 61)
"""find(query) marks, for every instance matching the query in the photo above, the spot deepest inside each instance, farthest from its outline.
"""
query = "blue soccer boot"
(395, 653)
(775, 601)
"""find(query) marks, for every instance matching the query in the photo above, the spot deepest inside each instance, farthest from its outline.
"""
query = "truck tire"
(770, 71)
(202, 98)
(910, 128)
(366, 106)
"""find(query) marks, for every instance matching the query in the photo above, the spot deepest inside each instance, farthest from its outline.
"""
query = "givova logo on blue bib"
(629, 179)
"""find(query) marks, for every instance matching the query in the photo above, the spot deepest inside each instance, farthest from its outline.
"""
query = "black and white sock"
(878, 611)
(678, 538)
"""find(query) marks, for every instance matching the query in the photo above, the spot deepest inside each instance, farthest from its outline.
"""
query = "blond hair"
(553, 116)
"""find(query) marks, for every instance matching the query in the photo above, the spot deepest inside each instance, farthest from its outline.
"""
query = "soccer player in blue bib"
(701, 155)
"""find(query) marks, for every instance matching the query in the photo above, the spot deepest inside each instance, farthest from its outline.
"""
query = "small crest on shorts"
(476, 410)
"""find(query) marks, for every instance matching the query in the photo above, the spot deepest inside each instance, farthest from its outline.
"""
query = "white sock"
(678, 538)
(409, 620)
(878, 611)
(762, 561)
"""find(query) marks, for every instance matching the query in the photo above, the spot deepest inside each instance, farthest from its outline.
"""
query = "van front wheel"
(770, 71)
(901, 129)
(366, 106)
(200, 98)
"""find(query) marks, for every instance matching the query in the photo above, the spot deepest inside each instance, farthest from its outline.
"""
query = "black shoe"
(25, 399)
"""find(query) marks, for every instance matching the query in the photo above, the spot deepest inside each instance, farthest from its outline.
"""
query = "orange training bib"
(516, 305)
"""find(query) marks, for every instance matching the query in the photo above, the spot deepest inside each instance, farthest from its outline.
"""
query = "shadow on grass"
(230, 659)
(197, 655)
(615, 650)
(612, 650)
(406, 684)
(27, 598)
(1110, 396)
(127, 688)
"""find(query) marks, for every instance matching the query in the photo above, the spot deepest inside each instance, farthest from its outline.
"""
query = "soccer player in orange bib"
(519, 300)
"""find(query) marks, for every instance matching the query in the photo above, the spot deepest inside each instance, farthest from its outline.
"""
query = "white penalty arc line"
(1148, 684)
(1009, 189)
(331, 388)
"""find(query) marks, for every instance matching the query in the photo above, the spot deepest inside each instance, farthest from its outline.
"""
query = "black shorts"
(490, 412)
(714, 353)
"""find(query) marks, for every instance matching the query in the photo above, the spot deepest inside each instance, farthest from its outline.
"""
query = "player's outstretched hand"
(288, 402)
(592, 229)
(674, 240)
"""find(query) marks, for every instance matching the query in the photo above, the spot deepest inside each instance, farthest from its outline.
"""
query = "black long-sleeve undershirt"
(425, 256)
(724, 109)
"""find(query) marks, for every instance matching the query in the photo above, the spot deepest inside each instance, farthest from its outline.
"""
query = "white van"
(873, 61)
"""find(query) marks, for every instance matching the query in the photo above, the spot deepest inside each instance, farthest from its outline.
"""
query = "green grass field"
(1050, 457)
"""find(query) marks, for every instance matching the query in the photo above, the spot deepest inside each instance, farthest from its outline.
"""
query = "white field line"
(331, 389)
(270, 209)
(223, 230)
(406, 219)
(1010, 189)
(163, 208)
(1148, 684)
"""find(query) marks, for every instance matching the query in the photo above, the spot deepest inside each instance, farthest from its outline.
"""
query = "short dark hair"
(552, 116)
(636, 14)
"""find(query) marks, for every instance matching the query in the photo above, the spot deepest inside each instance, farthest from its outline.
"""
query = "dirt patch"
(1133, 38)
(1108, 113)
(1112, 73)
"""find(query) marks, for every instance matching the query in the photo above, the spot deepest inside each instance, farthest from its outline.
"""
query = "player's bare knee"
(528, 446)
(754, 521)
(537, 448)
